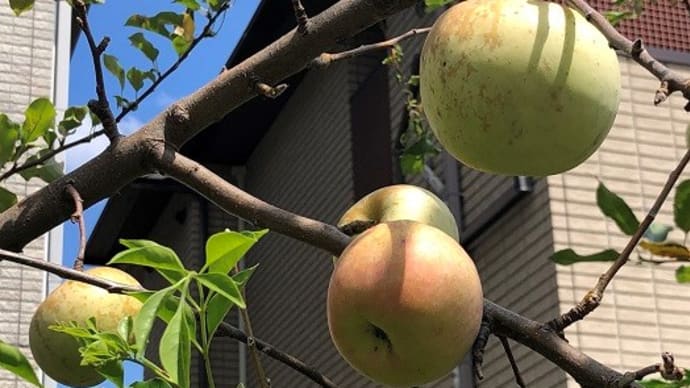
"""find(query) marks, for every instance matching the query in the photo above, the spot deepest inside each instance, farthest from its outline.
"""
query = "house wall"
(644, 310)
(26, 72)
(303, 164)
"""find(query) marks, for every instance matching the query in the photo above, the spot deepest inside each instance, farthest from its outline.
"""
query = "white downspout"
(60, 93)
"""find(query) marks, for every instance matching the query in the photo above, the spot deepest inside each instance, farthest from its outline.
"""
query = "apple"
(518, 87)
(402, 202)
(404, 303)
(57, 354)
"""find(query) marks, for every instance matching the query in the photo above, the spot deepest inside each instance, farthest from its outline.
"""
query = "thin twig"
(278, 355)
(207, 32)
(511, 359)
(117, 288)
(326, 59)
(25, 166)
(670, 81)
(480, 345)
(300, 16)
(78, 218)
(667, 368)
(593, 298)
(251, 342)
(67, 273)
(100, 107)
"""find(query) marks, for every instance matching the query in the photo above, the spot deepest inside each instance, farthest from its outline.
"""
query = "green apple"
(402, 202)
(404, 303)
(57, 354)
(518, 87)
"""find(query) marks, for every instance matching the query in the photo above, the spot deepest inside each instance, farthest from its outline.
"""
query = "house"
(34, 62)
(327, 142)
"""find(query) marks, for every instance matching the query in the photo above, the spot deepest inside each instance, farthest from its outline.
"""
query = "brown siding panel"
(303, 165)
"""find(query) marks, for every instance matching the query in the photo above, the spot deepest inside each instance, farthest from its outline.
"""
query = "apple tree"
(395, 244)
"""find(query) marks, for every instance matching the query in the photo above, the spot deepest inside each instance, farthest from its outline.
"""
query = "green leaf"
(73, 118)
(654, 383)
(158, 23)
(7, 199)
(616, 17)
(9, 134)
(135, 78)
(38, 117)
(568, 256)
(225, 249)
(411, 164)
(21, 6)
(431, 5)
(150, 254)
(216, 310)
(48, 171)
(114, 372)
(242, 277)
(113, 65)
(12, 360)
(657, 232)
(139, 41)
(124, 328)
(681, 206)
(191, 4)
(181, 45)
(123, 102)
(143, 322)
(683, 274)
(615, 208)
(224, 285)
(175, 348)
(152, 383)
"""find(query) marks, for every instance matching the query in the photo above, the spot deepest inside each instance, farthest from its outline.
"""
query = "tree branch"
(300, 16)
(48, 155)
(237, 202)
(511, 359)
(126, 160)
(670, 81)
(592, 299)
(206, 32)
(78, 218)
(326, 59)
(276, 354)
(100, 107)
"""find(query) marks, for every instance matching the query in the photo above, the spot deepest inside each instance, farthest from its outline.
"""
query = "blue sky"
(200, 67)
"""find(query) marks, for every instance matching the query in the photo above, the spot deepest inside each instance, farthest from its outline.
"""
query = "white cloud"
(163, 99)
(84, 152)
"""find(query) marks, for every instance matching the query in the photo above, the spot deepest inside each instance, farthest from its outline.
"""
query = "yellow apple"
(518, 87)
(57, 354)
(404, 303)
(402, 202)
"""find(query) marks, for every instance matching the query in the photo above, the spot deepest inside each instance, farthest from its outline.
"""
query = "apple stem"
(78, 218)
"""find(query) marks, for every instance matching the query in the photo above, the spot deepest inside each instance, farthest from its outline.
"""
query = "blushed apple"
(404, 303)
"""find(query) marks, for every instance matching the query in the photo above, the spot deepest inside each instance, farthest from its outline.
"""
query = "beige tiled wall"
(644, 311)
(26, 71)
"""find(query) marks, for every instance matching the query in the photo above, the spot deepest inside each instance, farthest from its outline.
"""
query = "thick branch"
(123, 162)
(235, 201)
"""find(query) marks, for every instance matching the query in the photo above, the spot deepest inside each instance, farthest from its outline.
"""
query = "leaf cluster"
(655, 242)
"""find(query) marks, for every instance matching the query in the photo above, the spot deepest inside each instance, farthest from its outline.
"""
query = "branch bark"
(128, 158)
